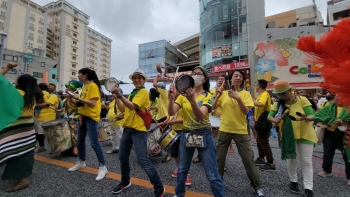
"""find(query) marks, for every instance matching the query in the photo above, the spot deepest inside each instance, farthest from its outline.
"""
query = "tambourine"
(183, 82)
(110, 83)
(161, 68)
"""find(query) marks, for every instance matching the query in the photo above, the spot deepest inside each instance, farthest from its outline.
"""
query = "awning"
(309, 85)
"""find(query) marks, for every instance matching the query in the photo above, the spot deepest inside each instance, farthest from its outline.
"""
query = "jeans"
(90, 127)
(304, 154)
(263, 145)
(274, 133)
(210, 166)
(331, 142)
(139, 139)
(244, 150)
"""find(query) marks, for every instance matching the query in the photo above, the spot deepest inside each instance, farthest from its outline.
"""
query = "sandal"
(197, 159)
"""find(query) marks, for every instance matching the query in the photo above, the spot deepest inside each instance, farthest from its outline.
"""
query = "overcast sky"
(132, 22)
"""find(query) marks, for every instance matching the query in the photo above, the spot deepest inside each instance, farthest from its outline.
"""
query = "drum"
(110, 83)
(102, 133)
(168, 138)
(214, 121)
(153, 135)
(58, 135)
(183, 82)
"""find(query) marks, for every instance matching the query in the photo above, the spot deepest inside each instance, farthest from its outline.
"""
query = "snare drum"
(214, 121)
(183, 82)
(153, 135)
(58, 135)
(168, 139)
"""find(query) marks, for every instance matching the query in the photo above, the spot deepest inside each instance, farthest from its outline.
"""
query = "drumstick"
(177, 69)
(158, 124)
(121, 79)
(283, 115)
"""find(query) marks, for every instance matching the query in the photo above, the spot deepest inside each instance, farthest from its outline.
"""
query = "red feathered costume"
(333, 52)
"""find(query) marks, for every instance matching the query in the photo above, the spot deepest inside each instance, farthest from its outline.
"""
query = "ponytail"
(96, 81)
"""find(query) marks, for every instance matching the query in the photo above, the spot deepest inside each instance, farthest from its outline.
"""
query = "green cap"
(204, 70)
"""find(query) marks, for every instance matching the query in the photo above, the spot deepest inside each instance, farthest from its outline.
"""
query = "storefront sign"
(232, 66)
(312, 71)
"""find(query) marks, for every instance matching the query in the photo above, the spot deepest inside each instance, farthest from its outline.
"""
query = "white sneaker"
(102, 171)
(78, 165)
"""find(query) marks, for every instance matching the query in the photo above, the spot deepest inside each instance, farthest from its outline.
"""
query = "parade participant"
(263, 104)
(47, 113)
(116, 118)
(135, 133)
(235, 105)
(89, 108)
(335, 116)
(154, 98)
(298, 137)
(304, 94)
(18, 156)
(162, 107)
(196, 105)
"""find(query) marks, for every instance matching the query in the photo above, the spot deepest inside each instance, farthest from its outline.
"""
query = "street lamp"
(3, 36)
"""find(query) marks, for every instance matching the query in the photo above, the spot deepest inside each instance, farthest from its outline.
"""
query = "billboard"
(280, 59)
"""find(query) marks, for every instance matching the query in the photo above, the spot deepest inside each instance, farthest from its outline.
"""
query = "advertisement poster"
(226, 50)
(280, 59)
(216, 52)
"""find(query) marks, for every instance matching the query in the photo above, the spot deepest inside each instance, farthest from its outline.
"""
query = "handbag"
(263, 125)
(146, 117)
(320, 129)
(195, 140)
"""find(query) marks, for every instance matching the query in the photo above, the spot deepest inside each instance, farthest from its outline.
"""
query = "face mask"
(198, 80)
(329, 98)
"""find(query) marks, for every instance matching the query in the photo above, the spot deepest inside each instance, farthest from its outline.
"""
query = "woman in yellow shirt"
(18, 138)
(89, 108)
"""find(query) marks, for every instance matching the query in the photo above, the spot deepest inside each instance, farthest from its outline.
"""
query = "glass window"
(243, 48)
(234, 8)
(142, 54)
(234, 29)
(154, 45)
(243, 24)
(271, 24)
(148, 46)
(42, 64)
(142, 47)
(235, 49)
(160, 44)
(225, 12)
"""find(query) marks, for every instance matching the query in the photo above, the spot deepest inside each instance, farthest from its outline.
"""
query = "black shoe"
(159, 193)
(121, 187)
(268, 167)
(294, 188)
(259, 162)
(309, 193)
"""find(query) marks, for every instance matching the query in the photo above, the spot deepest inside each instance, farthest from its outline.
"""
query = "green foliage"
(286, 43)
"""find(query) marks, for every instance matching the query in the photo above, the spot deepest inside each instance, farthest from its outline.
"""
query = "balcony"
(49, 39)
(30, 47)
(32, 19)
(75, 22)
(40, 32)
(41, 22)
(31, 28)
(2, 28)
(49, 30)
(74, 68)
(4, 6)
(2, 17)
(40, 41)
(31, 38)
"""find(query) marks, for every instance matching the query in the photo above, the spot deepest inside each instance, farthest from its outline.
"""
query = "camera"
(79, 104)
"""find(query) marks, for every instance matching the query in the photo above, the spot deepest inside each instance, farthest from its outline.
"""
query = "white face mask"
(198, 80)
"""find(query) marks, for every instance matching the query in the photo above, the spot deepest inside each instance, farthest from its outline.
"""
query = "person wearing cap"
(298, 135)
(162, 107)
(262, 104)
(235, 105)
(196, 104)
(135, 133)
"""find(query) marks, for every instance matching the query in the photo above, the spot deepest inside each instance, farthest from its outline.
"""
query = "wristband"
(119, 96)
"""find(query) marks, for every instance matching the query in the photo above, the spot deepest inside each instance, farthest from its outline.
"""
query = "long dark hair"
(153, 94)
(242, 73)
(91, 76)
(206, 84)
(29, 85)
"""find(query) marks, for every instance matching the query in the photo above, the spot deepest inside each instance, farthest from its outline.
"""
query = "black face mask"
(329, 98)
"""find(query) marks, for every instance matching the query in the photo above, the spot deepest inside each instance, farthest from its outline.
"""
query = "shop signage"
(231, 66)
(312, 71)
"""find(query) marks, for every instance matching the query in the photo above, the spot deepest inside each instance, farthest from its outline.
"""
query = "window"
(31, 35)
(342, 14)
(74, 50)
(74, 66)
(74, 58)
(57, 38)
(1, 24)
(293, 25)
(75, 35)
(32, 16)
(10, 58)
(40, 38)
(30, 44)
(75, 20)
(41, 20)
(4, 3)
(73, 73)
(75, 42)
(38, 75)
(75, 27)
(31, 25)
(15, 58)
(42, 64)
(40, 47)
(2, 13)
(41, 29)
(271, 24)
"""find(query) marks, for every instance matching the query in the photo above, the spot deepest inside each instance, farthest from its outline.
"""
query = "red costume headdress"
(333, 52)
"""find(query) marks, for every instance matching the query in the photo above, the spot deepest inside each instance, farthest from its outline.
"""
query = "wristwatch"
(119, 96)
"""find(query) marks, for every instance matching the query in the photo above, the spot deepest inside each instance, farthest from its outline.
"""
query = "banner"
(232, 66)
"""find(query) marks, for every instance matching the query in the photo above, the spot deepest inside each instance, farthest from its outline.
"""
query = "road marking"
(334, 169)
(115, 176)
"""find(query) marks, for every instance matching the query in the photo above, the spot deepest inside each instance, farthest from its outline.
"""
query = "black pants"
(263, 145)
(331, 142)
(41, 139)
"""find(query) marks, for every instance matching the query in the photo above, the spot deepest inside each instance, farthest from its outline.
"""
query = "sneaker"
(294, 187)
(324, 174)
(259, 193)
(166, 158)
(309, 193)
(268, 167)
(102, 171)
(78, 165)
(259, 162)
(159, 193)
(112, 151)
(174, 174)
(121, 187)
(188, 181)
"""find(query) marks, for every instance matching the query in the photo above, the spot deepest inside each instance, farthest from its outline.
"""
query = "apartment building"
(58, 31)
(337, 10)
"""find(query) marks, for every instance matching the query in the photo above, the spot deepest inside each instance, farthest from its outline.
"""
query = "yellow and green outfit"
(163, 103)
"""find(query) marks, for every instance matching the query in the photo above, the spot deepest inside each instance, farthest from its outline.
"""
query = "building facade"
(42, 68)
(337, 10)
(58, 31)
(159, 51)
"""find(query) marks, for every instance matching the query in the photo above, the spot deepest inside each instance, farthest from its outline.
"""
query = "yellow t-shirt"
(26, 111)
(132, 119)
(163, 103)
(190, 122)
(111, 115)
(48, 113)
(301, 129)
(155, 111)
(71, 106)
(232, 120)
(263, 98)
(89, 92)
(177, 127)
(213, 92)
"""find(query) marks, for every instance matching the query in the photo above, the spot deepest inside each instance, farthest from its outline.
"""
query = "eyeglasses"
(238, 76)
(197, 74)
